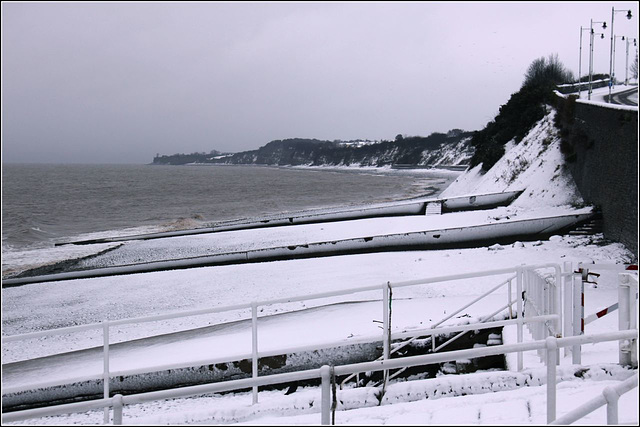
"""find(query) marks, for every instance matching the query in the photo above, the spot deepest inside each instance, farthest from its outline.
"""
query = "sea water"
(45, 204)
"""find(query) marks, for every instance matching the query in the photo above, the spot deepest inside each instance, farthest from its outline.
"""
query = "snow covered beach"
(534, 166)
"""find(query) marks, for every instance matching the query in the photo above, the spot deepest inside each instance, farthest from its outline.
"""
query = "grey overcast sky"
(119, 82)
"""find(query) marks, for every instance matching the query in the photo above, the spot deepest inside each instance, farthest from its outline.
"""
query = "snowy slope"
(534, 165)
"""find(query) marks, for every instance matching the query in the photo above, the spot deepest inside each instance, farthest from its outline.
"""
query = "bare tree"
(547, 71)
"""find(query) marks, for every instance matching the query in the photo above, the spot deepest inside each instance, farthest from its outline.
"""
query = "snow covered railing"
(541, 297)
(386, 289)
(609, 397)
(550, 344)
(575, 282)
(430, 331)
(628, 317)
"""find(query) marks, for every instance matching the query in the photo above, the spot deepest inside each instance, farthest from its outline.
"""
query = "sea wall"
(600, 143)
(582, 87)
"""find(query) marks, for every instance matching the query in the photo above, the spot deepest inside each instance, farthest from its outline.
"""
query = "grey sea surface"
(47, 204)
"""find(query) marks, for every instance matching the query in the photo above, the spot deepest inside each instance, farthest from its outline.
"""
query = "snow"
(307, 234)
(18, 261)
(600, 95)
(535, 165)
(493, 397)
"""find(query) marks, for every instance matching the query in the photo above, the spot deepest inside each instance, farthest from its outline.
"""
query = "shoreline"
(456, 169)
(47, 254)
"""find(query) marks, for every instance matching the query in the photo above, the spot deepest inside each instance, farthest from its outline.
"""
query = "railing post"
(519, 308)
(386, 344)
(612, 397)
(325, 398)
(254, 349)
(633, 319)
(624, 317)
(117, 410)
(509, 299)
(552, 348)
(567, 312)
(576, 355)
(105, 370)
(557, 303)
(585, 278)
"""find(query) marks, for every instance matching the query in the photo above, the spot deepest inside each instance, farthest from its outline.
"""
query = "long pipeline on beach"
(526, 229)
(452, 204)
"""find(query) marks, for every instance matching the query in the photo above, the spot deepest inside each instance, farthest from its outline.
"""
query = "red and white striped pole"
(585, 278)
(601, 313)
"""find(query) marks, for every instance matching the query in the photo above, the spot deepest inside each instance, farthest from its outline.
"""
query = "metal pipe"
(520, 314)
(475, 300)
(315, 373)
(611, 55)
(117, 409)
(577, 330)
(567, 282)
(325, 403)
(596, 402)
(386, 331)
(61, 331)
(254, 350)
(105, 371)
(551, 350)
(612, 398)
(624, 317)
(484, 319)
(590, 58)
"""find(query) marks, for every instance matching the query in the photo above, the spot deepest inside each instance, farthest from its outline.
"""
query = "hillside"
(183, 159)
(535, 165)
(451, 148)
(491, 397)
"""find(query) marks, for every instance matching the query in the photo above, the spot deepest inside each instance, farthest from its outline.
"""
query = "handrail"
(550, 344)
(495, 288)
(404, 344)
(609, 397)
(386, 340)
(189, 313)
(368, 339)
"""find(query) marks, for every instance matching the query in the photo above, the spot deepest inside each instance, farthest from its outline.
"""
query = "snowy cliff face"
(456, 153)
(452, 148)
(535, 165)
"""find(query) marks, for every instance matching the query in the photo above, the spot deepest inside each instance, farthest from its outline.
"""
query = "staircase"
(594, 225)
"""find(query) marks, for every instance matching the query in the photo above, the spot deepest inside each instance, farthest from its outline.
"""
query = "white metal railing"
(628, 317)
(610, 396)
(541, 297)
(628, 346)
(255, 354)
(573, 301)
(550, 344)
(400, 346)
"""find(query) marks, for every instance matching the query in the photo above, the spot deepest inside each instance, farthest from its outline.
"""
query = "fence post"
(557, 304)
(509, 300)
(325, 398)
(386, 344)
(633, 319)
(105, 370)
(624, 317)
(552, 348)
(519, 308)
(254, 349)
(117, 410)
(576, 355)
(612, 397)
(585, 278)
(567, 312)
